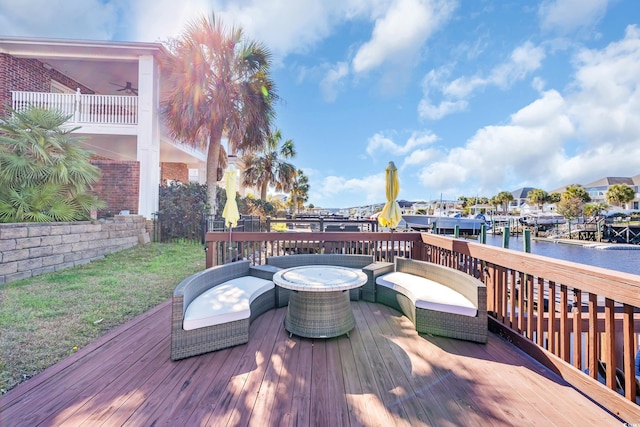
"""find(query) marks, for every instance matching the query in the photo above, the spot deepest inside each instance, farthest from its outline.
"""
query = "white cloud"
(284, 26)
(379, 143)
(401, 32)
(524, 60)
(566, 16)
(421, 157)
(83, 19)
(558, 138)
(324, 192)
(463, 86)
(334, 80)
(532, 141)
(606, 101)
(427, 110)
(158, 20)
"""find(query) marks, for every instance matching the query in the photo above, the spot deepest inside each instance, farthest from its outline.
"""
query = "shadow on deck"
(385, 374)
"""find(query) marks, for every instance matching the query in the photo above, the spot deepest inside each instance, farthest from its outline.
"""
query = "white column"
(148, 147)
(202, 172)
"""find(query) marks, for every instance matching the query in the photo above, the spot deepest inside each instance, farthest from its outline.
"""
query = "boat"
(467, 226)
(542, 220)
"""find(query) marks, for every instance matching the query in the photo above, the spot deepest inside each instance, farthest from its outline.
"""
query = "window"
(57, 87)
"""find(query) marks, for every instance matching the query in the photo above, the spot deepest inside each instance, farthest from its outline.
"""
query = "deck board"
(384, 374)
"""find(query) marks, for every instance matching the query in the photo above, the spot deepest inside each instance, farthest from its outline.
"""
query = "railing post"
(505, 237)
(76, 106)
(527, 240)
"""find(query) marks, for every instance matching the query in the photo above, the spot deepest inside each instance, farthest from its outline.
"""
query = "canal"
(620, 258)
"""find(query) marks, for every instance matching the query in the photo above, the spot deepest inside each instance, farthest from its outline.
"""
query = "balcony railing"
(576, 319)
(83, 108)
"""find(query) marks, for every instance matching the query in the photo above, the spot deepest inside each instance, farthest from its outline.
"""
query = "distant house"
(598, 189)
(112, 90)
(520, 199)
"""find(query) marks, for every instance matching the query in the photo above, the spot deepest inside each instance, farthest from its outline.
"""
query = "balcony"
(83, 108)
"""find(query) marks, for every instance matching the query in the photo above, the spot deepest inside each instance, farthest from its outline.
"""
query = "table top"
(319, 278)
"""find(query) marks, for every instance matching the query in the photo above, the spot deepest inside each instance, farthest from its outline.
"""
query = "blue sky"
(465, 97)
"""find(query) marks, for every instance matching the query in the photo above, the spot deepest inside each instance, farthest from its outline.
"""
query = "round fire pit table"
(319, 306)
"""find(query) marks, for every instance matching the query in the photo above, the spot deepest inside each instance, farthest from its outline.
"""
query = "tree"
(555, 197)
(181, 207)
(570, 207)
(299, 190)
(538, 197)
(620, 194)
(269, 167)
(576, 191)
(503, 198)
(221, 85)
(595, 209)
(44, 174)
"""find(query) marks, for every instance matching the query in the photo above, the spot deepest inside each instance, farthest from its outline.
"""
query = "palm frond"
(42, 169)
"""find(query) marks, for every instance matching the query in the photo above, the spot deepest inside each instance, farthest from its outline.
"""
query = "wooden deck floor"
(384, 374)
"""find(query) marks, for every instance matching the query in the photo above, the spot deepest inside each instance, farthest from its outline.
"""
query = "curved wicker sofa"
(461, 313)
(234, 329)
(364, 262)
(227, 333)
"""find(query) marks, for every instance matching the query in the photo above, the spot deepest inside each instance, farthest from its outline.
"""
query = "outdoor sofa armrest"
(372, 271)
(263, 271)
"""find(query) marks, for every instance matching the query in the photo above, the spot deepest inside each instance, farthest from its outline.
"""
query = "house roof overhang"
(28, 47)
(103, 66)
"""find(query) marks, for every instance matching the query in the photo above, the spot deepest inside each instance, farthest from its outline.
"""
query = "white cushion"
(227, 302)
(427, 294)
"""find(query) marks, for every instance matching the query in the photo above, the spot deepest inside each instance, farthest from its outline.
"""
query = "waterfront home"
(112, 91)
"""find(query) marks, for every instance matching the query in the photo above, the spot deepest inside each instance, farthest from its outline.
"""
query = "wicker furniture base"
(319, 314)
(437, 322)
(203, 340)
(372, 271)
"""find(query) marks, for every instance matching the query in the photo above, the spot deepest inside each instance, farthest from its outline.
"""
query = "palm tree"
(299, 190)
(221, 85)
(595, 209)
(503, 198)
(620, 194)
(269, 167)
(538, 197)
(576, 191)
(44, 175)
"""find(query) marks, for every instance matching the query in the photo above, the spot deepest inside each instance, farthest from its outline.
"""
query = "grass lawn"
(45, 318)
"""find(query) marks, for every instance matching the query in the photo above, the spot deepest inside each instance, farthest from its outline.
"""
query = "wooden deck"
(384, 374)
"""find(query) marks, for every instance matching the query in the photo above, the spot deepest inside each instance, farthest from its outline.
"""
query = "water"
(627, 260)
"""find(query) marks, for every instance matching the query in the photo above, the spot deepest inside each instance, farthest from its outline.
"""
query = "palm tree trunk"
(263, 192)
(213, 159)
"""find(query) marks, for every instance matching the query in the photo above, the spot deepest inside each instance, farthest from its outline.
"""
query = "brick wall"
(174, 171)
(29, 75)
(118, 186)
(31, 249)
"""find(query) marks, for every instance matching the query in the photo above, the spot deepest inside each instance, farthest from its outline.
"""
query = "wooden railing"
(576, 319)
(98, 109)
(223, 247)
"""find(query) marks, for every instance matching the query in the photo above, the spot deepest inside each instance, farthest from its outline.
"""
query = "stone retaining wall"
(31, 249)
